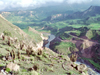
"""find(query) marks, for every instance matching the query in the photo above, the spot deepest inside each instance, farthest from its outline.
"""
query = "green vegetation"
(96, 65)
(8, 70)
(64, 47)
(64, 36)
(7, 33)
(91, 34)
(33, 34)
(45, 20)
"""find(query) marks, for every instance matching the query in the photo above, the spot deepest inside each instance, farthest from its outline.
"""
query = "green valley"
(24, 34)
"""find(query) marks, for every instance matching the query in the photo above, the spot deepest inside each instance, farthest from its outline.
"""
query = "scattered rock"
(73, 65)
(13, 67)
(15, 40)
(81, 67)
(1, 74)
(67, 65)
(84, 73)
(4, 59)
(2, 34)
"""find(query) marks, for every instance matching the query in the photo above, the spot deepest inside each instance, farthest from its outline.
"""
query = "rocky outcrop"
(56, 16)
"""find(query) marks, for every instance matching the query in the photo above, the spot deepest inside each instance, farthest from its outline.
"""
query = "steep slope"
(20, 57)
(14, 31)
(8, 27)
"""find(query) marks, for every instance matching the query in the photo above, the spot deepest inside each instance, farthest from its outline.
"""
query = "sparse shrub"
(7, 33)
(73, 57)
(15, 40)
(40, 52)
(8, 70)
(19, 55)
(13, 54)
(9, 42)
(3, 37)
(7, 55)
(29, 51)
(21, 45)
(23, 49)
(32, 59)
(45, 55)
(36, 67)
(23, 58)
(24, 70)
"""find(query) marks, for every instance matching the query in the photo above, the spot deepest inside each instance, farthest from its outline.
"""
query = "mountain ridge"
(91, 11)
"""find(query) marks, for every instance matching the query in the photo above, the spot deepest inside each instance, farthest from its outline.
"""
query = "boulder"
(67, 65)
(2, 34)
(1, 74)
(34, 73)
(81, 67)
(12, 66)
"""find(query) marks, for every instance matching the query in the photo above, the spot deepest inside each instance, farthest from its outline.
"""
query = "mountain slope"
(91, 11)
(31, 36)
(30, 60)
(8, 27)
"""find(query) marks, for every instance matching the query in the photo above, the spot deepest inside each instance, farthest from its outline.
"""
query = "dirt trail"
(85, 40)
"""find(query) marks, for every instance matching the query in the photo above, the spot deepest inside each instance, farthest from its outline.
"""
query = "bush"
(7, 33)
(8, 70)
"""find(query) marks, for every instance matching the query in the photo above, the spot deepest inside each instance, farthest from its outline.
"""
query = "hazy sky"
(26, 3)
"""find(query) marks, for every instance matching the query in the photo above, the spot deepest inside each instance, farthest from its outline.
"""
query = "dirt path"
(86, 40)
(73, 41)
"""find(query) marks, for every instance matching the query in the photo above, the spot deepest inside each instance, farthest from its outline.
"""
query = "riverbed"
(50, 38)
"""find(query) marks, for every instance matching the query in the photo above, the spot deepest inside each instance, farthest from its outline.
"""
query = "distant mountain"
(91, 11)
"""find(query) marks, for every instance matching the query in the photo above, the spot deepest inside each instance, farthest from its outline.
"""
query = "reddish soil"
(85, 43)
